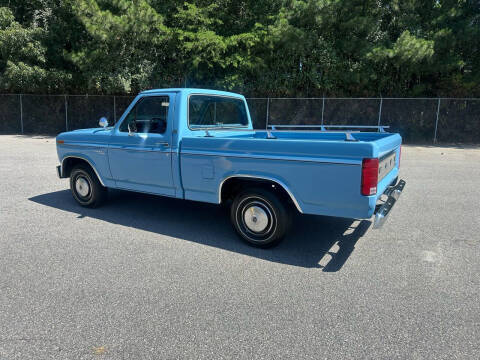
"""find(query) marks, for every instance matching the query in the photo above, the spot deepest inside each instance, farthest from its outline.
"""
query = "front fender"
(97, 158)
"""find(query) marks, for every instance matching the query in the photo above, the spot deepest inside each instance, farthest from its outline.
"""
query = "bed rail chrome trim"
(279, 183)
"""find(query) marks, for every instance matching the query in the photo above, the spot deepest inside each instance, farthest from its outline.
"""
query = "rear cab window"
(215, 111)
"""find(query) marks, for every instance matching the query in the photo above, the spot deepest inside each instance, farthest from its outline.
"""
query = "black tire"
(259, 217)
(86, 188)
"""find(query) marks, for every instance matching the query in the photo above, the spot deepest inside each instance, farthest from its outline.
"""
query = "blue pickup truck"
(200, 145)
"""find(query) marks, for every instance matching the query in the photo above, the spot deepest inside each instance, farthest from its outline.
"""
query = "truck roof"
(192, 91)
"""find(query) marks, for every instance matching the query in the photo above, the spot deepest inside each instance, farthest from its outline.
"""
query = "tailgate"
(386, 164)
(385, 147)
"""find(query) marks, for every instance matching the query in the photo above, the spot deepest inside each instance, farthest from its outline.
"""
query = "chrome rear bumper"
(393, 193)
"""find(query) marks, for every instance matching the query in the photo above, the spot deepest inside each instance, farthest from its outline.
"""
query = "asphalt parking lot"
(146, 277)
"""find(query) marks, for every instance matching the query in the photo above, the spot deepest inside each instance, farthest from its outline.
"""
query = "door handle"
(162, 143)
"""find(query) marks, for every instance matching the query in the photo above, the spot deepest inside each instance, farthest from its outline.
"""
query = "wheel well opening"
(71, 162)
(232, 186)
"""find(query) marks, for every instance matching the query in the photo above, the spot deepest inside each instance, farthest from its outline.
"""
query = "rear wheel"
(259, 217)
(86, 188)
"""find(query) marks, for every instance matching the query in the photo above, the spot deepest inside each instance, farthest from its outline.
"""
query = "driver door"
(140, 147)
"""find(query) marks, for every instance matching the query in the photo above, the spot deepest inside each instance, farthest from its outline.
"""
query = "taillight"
(369, 176)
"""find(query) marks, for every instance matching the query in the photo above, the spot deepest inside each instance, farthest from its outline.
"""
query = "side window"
(205, 110)
(149, 115)
(130, 118)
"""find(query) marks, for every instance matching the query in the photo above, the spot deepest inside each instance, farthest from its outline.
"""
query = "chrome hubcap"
(82, 186)
(256, 219)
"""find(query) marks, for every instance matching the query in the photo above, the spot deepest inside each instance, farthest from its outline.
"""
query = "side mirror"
(132, 128)
(103, 122)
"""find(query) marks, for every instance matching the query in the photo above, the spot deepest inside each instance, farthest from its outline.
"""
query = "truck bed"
(322, 170)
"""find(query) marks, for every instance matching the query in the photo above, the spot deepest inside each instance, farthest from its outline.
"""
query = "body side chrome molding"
(89, 163)
(279, 183)
(157, 149)
(274, 157)
(84, 144)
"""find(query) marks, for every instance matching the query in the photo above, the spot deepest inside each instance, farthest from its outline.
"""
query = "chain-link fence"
(52, 114)
(448, 120)
(416, 119)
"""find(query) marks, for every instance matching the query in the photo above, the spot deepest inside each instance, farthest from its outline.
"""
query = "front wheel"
(259, 217)
(86, 188)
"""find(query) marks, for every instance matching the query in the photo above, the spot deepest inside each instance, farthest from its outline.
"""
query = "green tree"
(270, 47)
(125, 48)
(23, 65)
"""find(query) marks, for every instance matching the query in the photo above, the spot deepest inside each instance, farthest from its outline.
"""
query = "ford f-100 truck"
(200, 145)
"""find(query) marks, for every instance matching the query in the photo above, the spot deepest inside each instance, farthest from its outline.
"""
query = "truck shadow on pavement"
(313, 241)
